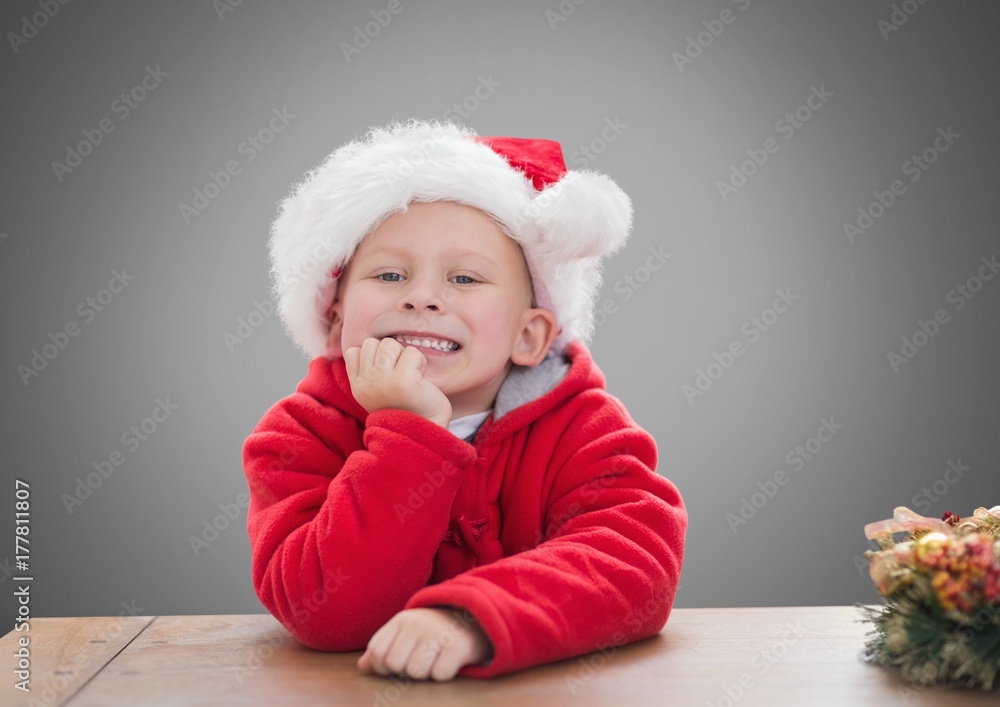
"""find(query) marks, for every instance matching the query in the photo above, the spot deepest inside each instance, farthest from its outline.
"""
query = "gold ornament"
(930, 545)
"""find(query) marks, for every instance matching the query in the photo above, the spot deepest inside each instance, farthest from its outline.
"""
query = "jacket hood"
(524, 396)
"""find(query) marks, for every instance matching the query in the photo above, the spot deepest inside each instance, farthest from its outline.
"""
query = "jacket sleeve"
(336, 546)
(608, 570)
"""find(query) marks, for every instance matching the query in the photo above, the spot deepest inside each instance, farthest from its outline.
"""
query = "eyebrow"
(390, 250)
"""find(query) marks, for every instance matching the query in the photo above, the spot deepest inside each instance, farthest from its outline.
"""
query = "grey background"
(127, 546)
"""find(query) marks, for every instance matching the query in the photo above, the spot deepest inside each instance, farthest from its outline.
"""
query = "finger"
(423, 659)
(412, 359)
(366, 361)
(365, 663)
(399, 658)
(378, 647)
(449, 660)
(351, 358)
(387, 354)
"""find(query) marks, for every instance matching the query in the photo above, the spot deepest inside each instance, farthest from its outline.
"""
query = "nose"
(423, 294)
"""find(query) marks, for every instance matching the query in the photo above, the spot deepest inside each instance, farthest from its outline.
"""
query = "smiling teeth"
(439, 344)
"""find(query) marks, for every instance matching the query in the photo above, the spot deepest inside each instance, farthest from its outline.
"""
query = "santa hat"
(565, 221)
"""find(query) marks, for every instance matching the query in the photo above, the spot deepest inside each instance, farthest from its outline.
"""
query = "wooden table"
(720, 657)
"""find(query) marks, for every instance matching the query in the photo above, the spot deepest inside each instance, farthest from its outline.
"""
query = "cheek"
(492, 321)
(360, 311)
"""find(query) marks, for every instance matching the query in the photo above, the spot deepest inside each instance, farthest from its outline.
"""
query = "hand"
(429, 643)
(385, 374)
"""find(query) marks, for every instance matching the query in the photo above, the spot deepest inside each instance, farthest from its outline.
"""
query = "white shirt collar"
(464, 426)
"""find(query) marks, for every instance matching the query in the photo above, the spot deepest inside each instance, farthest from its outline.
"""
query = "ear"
(335, 315)
(537, 332)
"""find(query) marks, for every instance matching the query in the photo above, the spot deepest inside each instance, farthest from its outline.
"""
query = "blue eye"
(391, 274)
(470, 280)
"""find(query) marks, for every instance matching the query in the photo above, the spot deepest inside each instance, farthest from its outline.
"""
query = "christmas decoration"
(941, 582)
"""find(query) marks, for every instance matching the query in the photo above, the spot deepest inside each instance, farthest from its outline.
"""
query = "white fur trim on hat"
(564, 230)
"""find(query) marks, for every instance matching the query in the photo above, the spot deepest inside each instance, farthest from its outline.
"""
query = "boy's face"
(444, 271)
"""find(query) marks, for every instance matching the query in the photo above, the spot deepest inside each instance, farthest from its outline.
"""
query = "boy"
(451, 488)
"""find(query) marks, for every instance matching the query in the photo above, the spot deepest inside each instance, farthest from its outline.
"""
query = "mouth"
(427, 342)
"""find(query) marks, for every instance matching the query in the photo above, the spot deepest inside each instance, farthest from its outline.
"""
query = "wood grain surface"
(722, 657)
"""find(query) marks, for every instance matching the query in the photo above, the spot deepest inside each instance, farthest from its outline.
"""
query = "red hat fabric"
(540, 160)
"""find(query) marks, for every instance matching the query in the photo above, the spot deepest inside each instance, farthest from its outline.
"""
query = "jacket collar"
(524, 384)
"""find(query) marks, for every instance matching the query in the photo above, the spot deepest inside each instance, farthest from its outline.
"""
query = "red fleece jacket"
(552, 528)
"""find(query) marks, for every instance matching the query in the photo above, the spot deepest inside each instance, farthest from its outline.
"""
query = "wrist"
(439, 420)
(442, 421)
